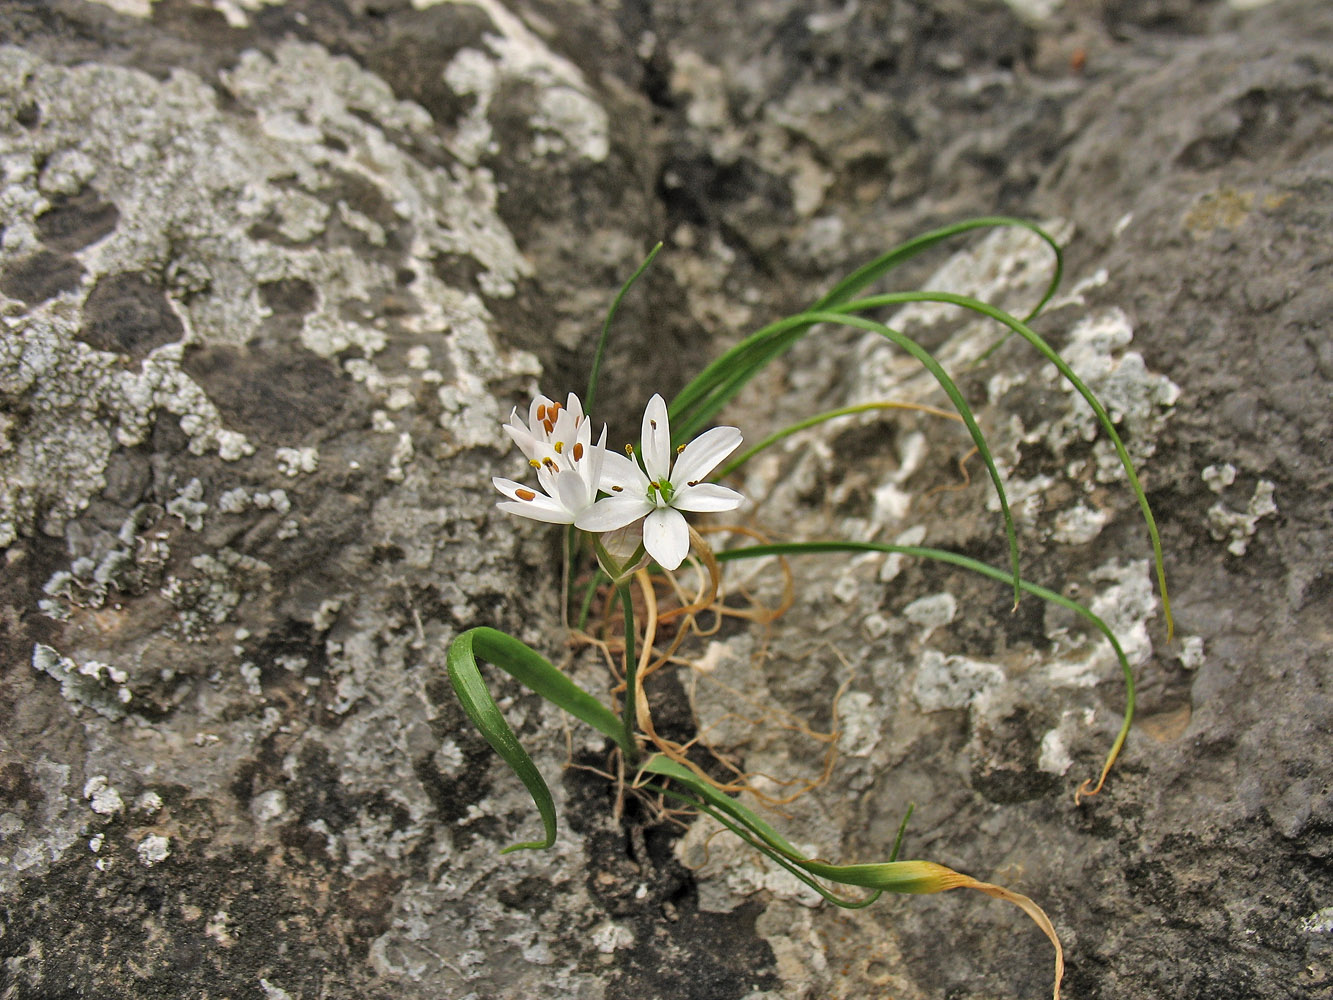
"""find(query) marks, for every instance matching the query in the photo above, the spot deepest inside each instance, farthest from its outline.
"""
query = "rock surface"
(271, 273)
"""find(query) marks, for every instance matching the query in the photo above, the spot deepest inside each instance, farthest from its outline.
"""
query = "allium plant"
(632, 511)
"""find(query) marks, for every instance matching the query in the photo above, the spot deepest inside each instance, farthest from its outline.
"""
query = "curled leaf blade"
(533, 670)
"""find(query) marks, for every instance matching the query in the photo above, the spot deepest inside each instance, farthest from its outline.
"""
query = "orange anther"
(578, 451)
(525, 494)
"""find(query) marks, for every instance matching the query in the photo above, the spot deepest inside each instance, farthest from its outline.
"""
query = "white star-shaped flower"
(549, 428)
(569, 473)
(666, 489)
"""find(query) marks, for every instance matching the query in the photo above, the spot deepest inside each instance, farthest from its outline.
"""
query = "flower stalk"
(629, 711)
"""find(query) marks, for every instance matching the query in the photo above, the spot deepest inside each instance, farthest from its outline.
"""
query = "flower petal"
(610, 513)
(539, 508)
(666, 536)
(594, 457)
(508, 487)
(706, 496)
(656, 438)
(702, 455)
(539, 402)
(522, 436)
(617, 470)
(573, 493)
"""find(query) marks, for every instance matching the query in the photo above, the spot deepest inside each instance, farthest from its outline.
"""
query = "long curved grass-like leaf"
(868, 274)
(985, 569)
(927, 361)
(917, 877)
(533, 670)
(819, 418)
(710, 390)
(1049, 353)
(594, 373)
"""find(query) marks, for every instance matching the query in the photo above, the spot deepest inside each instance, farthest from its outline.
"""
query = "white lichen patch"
(1191, 652)
(893, 563)
(102, 796)
(49, 473)
(1136, 399)
(609, 937)
(1319, 922)
(944, 682)
(403, 454)
(297, 461)
(1054, 756)
(154, 849)
(1127, 603)
(189, 505)
(130, 8)
(193, 184)
(566, 119)
(1035, 10)
(932, 611)
(99, 686)
(1220, 476)
(1079, 524)
(860, 724)
(272, 992)
(1236, 528)
(207, 597)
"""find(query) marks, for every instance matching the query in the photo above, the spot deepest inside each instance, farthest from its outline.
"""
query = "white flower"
(549, 428)
(659, 496)
(569, 472)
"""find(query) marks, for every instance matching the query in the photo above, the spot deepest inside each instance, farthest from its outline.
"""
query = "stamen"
(559, 447)
(550, 463)
(652, 424)
(525, 494)
(694, 482)
(629, 450)
(534, 463)
(578, 450)
(617, 489)
(541, 412)
(680, 448)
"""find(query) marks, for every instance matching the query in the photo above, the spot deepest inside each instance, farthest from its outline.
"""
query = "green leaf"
(531, 669)
(1103, 418)
(590, 399)
(819, 418)
(696, 404)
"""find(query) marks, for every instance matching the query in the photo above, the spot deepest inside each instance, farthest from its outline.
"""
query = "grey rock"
(271, 275)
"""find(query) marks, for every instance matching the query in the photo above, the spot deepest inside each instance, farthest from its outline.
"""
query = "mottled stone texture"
(272, 273)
